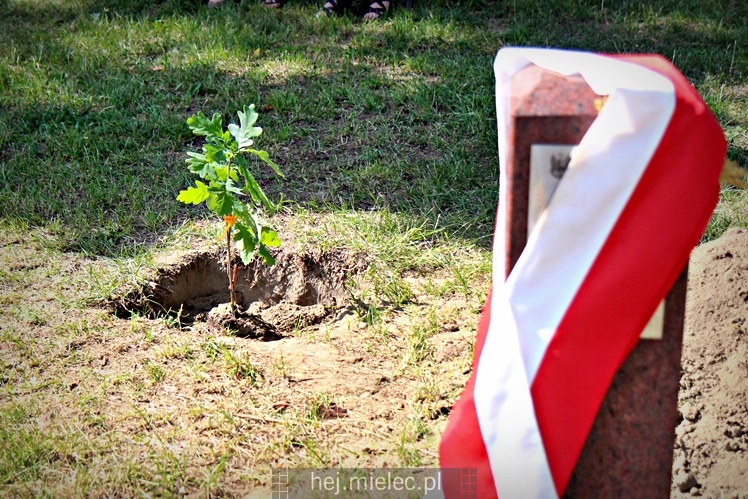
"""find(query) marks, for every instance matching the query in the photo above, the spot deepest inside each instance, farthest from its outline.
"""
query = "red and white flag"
(617, 232)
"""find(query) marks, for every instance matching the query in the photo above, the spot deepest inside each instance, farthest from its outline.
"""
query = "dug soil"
(711, 448)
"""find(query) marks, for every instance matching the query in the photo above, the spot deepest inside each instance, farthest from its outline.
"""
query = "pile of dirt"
(711, 447)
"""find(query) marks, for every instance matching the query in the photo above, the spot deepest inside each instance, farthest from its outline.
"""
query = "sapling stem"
(231, 272)
(233, 280)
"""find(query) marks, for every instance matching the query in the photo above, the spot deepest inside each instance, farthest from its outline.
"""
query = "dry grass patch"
(92, 403)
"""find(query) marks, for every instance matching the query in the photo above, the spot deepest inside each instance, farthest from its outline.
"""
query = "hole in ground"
(301, 289)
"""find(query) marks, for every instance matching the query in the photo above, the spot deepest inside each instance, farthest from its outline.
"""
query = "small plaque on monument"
(548, 163)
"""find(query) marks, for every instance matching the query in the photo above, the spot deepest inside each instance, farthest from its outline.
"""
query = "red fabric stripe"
(462, 443)
(638, 264)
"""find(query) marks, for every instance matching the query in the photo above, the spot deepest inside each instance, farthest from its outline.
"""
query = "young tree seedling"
(223, 166)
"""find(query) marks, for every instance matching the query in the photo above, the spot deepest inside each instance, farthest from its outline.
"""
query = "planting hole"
(301, 289)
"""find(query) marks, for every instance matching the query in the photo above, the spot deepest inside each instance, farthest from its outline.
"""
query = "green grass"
(386, 133)
(362, 116)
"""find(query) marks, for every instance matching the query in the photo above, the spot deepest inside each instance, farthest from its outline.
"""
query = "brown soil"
(299, 290)
(711, 452)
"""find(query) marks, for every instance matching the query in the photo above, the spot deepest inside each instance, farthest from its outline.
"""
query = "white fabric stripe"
(527, 309)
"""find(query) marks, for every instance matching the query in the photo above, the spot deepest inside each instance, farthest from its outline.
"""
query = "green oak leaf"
(233, 175)
(264, 252)
(194, 195)
(200, 125)
(263, 155)
(244, 133)
(252, 188)
(196, 163)
(214, 154)
(241, 211)
(220, 203)
(269, 237)
(222, 173)
(231, 186)
(246, 242)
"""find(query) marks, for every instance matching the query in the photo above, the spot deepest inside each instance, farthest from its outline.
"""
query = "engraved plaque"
(548, 162)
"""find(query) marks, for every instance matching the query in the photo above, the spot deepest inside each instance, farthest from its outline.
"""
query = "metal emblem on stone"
(548, 163)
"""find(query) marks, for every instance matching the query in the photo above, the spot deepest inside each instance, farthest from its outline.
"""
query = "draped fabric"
(611, 242)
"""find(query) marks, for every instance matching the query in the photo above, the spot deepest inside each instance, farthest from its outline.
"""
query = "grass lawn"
(386, 134)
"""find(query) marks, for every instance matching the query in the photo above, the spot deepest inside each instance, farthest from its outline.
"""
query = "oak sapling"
(223, 165)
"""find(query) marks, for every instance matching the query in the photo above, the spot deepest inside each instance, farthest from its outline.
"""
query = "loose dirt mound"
(711, 452)
(301, 289)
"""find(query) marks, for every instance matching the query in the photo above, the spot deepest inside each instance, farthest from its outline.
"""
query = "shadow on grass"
(395, 115)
